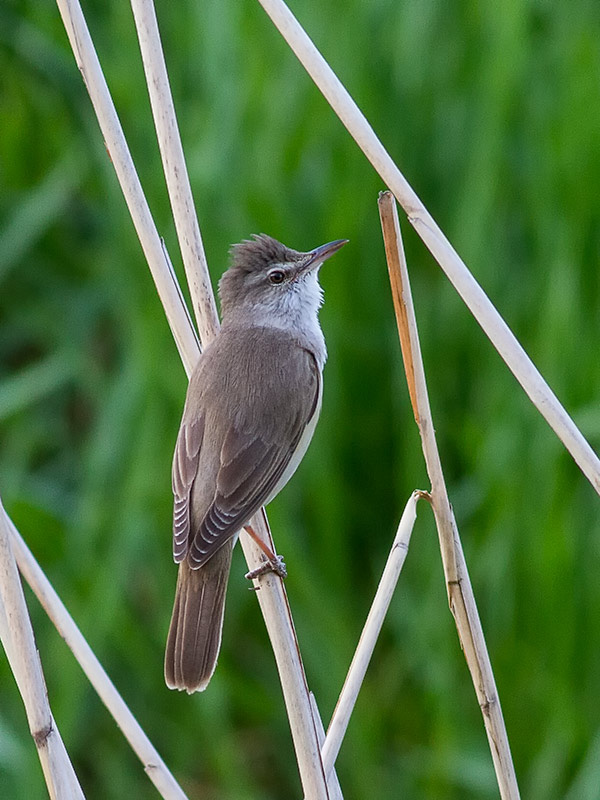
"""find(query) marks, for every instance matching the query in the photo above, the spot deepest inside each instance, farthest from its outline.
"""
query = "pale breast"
(302, 446)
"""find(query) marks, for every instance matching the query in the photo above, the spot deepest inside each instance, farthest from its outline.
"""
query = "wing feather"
(234, 506)
(185, 469)
(253, 456)
(251, 468)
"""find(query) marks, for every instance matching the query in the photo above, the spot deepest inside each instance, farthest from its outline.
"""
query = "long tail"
(195, 634)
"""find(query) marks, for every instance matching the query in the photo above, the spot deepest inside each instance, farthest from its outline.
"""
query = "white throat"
(293, 308)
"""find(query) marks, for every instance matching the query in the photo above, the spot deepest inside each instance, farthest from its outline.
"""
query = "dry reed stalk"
(277, 615)
(333, 784)
(178, 183)
(114, 138)
(463, 281)
(272, 597)
(370, 633)
(458, 584)
(17, 637)
(153, 764)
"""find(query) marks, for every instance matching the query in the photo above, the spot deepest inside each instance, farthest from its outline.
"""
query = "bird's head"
(267, 278)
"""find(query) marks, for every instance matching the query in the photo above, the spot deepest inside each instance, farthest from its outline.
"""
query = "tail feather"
(194, 636)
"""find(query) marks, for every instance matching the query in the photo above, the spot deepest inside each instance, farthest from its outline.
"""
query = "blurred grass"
(493, 113)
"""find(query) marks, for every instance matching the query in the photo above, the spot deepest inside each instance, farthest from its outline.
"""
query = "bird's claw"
(276, 565)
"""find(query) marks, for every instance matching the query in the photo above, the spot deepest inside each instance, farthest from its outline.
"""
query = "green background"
(492, 110)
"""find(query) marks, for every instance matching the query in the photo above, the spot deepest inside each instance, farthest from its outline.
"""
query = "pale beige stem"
(277, 614)
(178, 183)
(272, 596)
(333, 784)
(17, 637)
(463, 281)
(114, 139)
(42, 588)
(370, 633)
(458, 584)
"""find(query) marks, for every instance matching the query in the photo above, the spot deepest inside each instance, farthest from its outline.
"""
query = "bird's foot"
(275, 564)
(272, 562)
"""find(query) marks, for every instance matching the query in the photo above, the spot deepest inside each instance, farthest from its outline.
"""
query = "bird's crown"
(260, 252)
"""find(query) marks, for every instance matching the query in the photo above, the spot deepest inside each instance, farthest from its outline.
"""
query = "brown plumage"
(251, 407)
(195, 631)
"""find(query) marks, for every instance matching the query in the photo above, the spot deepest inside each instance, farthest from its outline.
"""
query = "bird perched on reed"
(251, 409)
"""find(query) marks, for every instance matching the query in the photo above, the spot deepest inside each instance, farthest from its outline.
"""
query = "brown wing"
(185, 468)
(250, 470)
(252, 458)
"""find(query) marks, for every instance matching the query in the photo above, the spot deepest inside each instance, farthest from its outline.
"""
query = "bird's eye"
(276, 276)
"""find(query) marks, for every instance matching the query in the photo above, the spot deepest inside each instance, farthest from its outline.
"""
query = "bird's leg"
(274, 563)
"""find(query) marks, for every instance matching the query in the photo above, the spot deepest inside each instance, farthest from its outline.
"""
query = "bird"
(251, 408)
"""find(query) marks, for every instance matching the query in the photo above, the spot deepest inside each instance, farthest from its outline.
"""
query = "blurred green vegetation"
(492, 110)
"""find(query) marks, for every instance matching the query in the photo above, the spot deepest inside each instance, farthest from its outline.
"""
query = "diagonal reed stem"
(333, 784)
(16, 634)
(458, 584)
(178, 182)
(114, 138)
(153, 764)
(463, 281)
(272, 597)
(370, 633)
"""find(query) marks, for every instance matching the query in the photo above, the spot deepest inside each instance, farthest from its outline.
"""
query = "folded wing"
(252, 462)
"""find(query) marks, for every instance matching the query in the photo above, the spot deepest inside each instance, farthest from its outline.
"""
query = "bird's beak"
(322, 253)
